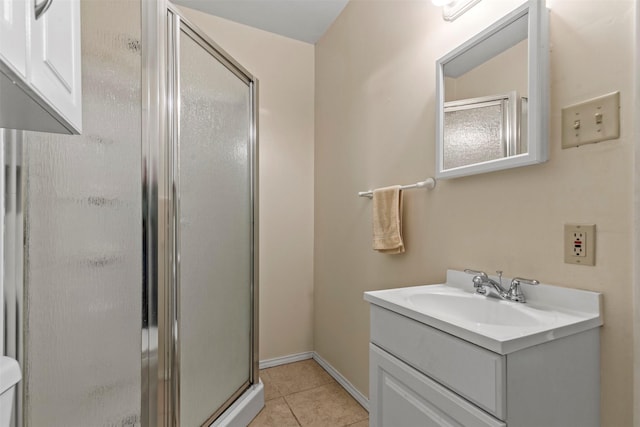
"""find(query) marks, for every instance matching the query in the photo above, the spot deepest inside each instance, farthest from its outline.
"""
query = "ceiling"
(304, 20)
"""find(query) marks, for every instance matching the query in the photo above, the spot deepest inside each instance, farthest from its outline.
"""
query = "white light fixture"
(452, 9)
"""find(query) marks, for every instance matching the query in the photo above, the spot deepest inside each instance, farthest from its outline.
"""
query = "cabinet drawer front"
(471, 371)
(403, 397)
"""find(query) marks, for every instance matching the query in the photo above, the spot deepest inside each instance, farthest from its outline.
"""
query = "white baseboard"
(277, 361)
(354, 392)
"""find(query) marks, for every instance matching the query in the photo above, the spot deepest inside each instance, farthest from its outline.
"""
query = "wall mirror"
(492, 96)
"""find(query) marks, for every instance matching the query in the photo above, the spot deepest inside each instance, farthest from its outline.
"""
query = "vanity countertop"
(551, 312)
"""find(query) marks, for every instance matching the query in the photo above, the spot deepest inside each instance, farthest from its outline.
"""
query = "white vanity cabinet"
(402, 396)
(422, 376)
(40, 66)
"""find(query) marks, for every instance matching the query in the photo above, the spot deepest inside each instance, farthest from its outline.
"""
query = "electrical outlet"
(579, 240)
(580, 244)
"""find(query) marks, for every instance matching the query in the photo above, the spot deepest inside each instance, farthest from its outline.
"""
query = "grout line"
(330, 380)
(291, 410)
(359, 421)
(334, 377)
(337, 376)
(309, 389)
(313, 388)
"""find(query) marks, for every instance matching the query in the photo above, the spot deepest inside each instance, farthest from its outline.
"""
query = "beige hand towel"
(387, 220)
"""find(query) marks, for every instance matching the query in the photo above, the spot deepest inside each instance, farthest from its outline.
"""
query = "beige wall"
(375, 90)
(285, 69)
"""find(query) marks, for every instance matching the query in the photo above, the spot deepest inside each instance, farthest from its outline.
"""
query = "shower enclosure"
(211, 198)
(139, 300)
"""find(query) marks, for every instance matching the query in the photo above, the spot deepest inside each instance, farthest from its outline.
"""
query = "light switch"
(591, 121)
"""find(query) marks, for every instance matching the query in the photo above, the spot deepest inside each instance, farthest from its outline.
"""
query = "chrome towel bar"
(428, 183)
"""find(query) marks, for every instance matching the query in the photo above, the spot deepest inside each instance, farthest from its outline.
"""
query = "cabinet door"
(55, 59)
(13, 36)
(470, 371)
(400, 396)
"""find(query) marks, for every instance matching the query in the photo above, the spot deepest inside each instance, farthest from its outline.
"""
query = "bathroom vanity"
(441, 355)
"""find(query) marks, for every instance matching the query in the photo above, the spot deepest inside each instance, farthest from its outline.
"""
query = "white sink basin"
(455, 304)
(502, 326)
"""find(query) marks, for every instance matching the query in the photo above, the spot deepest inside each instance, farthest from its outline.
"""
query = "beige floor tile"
(276, 413)
(325, 406)
(363, 423)
(270, 391)
(298, 376)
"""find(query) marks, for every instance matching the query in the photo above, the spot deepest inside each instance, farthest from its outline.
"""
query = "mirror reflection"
(483, 111)
(483, 89)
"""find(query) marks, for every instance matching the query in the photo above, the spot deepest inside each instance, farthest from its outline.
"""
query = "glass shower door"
(213, 164)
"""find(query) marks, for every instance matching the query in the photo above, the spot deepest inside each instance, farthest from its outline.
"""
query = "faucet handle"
(475, 272)
(515, 293)
(519, 280)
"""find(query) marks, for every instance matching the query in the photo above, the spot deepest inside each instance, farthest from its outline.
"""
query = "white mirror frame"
(538, 91)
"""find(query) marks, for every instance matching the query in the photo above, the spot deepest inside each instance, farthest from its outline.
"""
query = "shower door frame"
(161, 27)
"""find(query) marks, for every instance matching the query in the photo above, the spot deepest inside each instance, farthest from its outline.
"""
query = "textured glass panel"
(83, 240)
(473, 135)
(215, 234)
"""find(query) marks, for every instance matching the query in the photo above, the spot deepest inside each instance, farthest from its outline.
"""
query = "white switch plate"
(580, 244)
(591, 121)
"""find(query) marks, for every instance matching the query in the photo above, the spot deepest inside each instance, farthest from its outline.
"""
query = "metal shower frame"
(161, 24)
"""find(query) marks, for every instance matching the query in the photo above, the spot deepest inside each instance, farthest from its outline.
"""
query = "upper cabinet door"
(56, 58)
(13, 35)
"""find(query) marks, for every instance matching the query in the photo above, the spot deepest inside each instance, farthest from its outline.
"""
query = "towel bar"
(428, 183)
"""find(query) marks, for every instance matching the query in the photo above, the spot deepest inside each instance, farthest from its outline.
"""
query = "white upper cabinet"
(13, 35)
(55, 58)
(40, 65)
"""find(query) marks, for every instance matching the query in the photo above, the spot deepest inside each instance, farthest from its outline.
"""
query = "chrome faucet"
(483, 285)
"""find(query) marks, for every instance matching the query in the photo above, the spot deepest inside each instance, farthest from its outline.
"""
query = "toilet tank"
(9, 377)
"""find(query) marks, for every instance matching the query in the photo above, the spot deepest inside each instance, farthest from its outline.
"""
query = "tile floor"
(303, 394)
